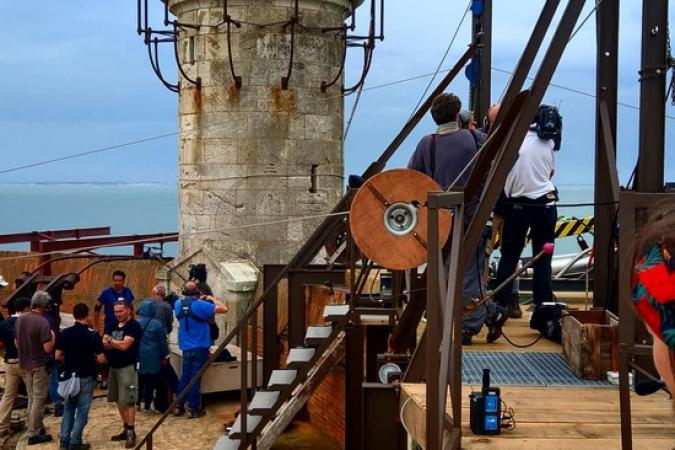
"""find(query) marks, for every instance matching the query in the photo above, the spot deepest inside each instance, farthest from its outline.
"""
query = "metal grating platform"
(526, 369)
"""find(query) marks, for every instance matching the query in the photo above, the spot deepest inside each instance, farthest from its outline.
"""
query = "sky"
(76, 77)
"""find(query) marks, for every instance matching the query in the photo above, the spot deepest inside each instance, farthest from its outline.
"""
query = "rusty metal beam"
(405, 330)
(271, 344)
(48, 235)
(110, 241)
(605, 263)
(651, 162)
(434, 433)
(482, 29)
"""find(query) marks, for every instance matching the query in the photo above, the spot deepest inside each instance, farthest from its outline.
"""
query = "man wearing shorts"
(121, 341)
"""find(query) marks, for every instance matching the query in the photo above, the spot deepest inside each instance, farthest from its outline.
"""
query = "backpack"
(186, 311)
(548, 124)
(546, 319)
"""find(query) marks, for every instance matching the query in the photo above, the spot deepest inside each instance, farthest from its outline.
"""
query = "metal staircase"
(272, 409)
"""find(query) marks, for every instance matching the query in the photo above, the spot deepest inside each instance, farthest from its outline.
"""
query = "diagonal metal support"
(608, 155)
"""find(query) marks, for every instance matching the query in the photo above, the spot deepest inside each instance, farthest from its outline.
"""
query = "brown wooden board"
(367, 218)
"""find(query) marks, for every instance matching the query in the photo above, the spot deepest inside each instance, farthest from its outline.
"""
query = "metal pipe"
(650, 169)
(605, 266)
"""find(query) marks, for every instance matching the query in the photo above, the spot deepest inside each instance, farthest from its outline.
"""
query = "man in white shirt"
(530, 204)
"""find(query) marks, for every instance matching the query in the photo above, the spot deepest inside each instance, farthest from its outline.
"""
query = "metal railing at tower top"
(166, 31)
(313, 244)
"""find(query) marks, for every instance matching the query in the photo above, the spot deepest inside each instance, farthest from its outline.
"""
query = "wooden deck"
(558, 418)
(552, 418)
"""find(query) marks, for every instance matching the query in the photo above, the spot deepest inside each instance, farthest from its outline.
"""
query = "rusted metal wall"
(141, 276)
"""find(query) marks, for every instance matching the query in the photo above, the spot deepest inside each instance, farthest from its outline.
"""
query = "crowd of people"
(128, 357)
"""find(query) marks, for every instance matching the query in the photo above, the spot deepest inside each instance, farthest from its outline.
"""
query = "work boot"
(39, 439)
(495, 326)
(119, 436)
(514, 306)
(131, 439)
(82, 446)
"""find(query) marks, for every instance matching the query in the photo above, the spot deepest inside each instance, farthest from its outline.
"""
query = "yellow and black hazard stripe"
(563, 228)
(573, 227)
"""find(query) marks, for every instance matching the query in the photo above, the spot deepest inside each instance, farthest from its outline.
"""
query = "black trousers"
(521, 214)
(148, 383)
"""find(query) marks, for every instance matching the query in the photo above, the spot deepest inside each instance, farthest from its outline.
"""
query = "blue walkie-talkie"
(485, 408)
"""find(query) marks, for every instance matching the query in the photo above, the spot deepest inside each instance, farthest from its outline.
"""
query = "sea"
(136, 208)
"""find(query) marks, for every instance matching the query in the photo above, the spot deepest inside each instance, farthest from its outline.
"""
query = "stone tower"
(257, 153)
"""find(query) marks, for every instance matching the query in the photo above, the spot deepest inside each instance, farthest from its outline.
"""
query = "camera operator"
(194, 339)
(529, 202)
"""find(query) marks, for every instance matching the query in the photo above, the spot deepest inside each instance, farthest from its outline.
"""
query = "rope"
(583, 22)
(351, 115)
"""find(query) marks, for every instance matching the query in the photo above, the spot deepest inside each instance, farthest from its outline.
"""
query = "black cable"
(508, 419)
(541, 335)
(522, 345)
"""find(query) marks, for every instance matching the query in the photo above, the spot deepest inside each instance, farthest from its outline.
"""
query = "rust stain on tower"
(284, 100)
(233, 95)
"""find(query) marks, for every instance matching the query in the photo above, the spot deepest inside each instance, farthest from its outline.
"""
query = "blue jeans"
(193, 360)
(57, 401)
(76, 413)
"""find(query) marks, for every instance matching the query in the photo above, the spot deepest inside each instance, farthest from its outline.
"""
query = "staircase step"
(226, 443)
(298, 357)
(316, 335)
(252, 423)
(263, 402)
(335, 313)
(281, 379)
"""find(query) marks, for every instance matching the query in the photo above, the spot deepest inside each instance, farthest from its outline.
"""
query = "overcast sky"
(76, 77)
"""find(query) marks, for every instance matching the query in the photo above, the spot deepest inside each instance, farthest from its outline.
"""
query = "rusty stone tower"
(259, 140)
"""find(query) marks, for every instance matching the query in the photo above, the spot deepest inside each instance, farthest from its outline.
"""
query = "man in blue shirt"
(194, 339)
(106, 301)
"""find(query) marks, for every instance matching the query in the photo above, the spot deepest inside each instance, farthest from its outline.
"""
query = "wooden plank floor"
(558, 418)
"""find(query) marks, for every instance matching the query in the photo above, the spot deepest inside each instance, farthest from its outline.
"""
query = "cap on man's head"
(464, 116)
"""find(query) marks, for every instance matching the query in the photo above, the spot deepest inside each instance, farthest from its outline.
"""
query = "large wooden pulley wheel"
(388, 218)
